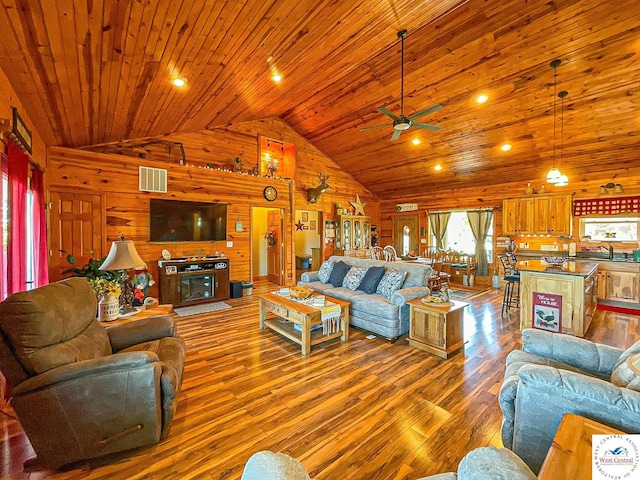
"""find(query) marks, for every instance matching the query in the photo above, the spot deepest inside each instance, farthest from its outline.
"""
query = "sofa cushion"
(353, 277)
(622, 375)
(371, 279)
(338, 273)
(391, 281)
(325, 271)
(374, 305)
(318, 286)
(627, 374)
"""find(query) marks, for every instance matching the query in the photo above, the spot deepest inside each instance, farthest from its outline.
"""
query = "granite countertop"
(578, 268)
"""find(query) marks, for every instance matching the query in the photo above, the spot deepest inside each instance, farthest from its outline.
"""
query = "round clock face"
(270, 193)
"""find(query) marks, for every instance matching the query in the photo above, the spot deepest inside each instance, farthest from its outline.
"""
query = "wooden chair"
(390, 253)
(435, 283)
(377, 253)
(463, 264)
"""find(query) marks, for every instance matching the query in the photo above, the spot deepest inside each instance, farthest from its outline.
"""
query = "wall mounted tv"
(180, 221)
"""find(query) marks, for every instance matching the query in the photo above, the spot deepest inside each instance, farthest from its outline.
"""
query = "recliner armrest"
(594, 358)
(98, 366)
(145, 330)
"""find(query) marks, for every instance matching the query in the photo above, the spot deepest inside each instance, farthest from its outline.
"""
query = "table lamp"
(123, 256)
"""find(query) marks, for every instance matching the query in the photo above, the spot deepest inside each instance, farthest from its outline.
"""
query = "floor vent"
(153, 180)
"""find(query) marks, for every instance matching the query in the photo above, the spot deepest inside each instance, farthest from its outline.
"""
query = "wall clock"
(270, 193)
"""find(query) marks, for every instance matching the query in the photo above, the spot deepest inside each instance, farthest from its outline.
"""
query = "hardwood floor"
(365, 409)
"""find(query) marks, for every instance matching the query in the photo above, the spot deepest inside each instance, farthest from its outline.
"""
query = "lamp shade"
(122, 256)
(562, 181)
(553, 176)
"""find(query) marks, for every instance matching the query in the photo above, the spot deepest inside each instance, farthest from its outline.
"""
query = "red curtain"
(39, 229)
(18, 172)
(3, 270)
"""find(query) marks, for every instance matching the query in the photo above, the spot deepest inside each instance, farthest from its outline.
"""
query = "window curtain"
(39, 229)
(480, 222)
(3, 267)
(439, 222)
(18, 173)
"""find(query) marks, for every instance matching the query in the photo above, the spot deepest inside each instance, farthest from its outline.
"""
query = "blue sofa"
(374, 312)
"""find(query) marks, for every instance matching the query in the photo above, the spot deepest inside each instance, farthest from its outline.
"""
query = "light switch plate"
(229, 244)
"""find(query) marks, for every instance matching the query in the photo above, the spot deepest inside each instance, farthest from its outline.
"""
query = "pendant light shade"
(562, 181)
(554, 176)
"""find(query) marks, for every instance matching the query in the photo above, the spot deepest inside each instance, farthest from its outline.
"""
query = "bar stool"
(511, 297)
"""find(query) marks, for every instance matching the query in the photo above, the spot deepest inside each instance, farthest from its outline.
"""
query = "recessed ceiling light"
(482, 98)
(438, 167)
(505, 147)
(416, 141)
(276, 77)
(179, 82)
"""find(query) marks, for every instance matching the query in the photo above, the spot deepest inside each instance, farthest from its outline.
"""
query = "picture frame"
(312, 225)
(20, 130)
(305, 216)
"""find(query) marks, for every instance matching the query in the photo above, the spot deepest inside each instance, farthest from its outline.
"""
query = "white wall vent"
(153, 180)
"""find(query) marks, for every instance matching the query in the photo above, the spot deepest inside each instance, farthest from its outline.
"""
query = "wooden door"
(405, 234)
(76, 229)
(274, 251)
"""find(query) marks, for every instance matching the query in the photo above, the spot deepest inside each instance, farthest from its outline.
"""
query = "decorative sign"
(547, 312)
(606, 206)
(329, 229)
(21, 132)
(406, 207)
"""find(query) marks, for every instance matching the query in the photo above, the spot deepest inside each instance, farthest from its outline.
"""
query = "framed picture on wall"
(305, 216)
(329, 229)
(312, 225)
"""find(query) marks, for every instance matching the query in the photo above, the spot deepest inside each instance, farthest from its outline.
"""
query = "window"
(459, 236)
(406, 240)
(610, 229)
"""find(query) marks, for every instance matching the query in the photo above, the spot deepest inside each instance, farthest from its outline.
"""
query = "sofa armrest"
(491, 462)
(583, 354)
(126, 335)
(546, 393)
(402, 296)
(98, 368)
(309, 277)
(266, 465)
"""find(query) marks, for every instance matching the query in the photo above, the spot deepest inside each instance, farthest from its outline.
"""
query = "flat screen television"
(181, 221)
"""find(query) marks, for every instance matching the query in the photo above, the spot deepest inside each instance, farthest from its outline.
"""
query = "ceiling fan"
(402, 122)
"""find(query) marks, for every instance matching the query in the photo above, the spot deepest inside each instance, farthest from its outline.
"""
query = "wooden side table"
(570, 452)
(149, 312)
(436, 328)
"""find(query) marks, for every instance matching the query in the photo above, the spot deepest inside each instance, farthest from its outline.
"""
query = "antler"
(323, 177)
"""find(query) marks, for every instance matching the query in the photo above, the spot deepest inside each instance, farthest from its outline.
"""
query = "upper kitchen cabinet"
(540, 214)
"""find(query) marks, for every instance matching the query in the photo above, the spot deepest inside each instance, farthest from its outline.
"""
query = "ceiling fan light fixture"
(401, 126)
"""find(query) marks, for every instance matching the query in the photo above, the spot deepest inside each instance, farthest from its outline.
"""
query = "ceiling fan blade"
(426, 126)
(426, 111)
(396, 134)
(376, 126)
(389, 114)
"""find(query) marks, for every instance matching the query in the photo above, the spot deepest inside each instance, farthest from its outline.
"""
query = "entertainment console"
(193, 280)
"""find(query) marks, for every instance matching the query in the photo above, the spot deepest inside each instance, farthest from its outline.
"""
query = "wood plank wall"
(115, 177)
(583, 186)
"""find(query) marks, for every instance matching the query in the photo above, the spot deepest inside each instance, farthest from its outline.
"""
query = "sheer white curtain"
(480, 223)
(439, 222)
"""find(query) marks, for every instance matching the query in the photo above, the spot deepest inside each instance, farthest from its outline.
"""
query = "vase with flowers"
(108, 293)
(270, 235)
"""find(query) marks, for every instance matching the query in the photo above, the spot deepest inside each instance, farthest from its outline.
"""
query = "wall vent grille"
(153, 180)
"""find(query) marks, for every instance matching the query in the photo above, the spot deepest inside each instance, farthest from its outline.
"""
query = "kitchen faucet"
(609, 249)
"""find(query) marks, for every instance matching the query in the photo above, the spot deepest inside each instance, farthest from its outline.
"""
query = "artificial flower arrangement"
(105, 288)
(270, 235)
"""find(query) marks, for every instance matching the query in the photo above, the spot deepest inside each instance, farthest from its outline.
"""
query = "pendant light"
(553, 176)
(563, 180)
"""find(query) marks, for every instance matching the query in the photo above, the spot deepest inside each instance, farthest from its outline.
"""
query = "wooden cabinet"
(353, 235)
(541, 214)
(436, 328)
(185, 281)
(619, 281)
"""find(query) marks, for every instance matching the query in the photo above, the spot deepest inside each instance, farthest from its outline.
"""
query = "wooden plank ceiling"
(98, 72)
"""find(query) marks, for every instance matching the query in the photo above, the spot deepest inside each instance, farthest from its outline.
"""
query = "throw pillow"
(325, 271)
(371, 279)
(391, 281)
(353, 277)
(338, 273)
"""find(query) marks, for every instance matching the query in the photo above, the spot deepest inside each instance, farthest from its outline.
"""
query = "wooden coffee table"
(301, 314)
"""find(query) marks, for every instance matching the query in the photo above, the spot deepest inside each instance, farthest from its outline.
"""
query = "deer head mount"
(314, 193)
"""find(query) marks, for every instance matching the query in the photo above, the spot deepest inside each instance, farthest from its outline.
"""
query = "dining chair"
(435, 283)
(377, 253)
(390, 253)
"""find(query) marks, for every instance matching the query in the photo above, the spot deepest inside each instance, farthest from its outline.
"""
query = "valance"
(606, 206)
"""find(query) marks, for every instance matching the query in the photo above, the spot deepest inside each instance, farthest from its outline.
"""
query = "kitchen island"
(558, 298)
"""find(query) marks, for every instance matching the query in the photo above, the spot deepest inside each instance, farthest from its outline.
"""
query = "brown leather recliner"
(80, 390)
